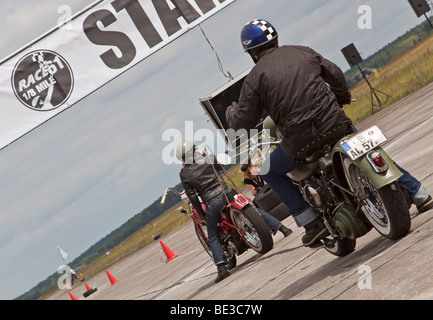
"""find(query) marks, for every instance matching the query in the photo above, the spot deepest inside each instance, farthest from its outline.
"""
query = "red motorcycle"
(240, 226)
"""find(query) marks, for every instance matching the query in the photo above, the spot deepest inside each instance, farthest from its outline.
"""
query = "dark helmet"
(257, 33)
(185, 149)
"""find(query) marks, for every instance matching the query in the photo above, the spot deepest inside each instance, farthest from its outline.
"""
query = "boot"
(427, 205)
(285, 231)
(314, 231)
(222, 273)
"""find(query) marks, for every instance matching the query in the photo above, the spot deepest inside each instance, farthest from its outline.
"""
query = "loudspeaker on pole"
(351, 54)
(419, 6)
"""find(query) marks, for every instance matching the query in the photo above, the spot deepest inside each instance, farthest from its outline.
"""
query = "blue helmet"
(256, 33)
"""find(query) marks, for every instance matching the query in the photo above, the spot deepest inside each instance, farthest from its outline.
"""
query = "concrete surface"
(378, 269)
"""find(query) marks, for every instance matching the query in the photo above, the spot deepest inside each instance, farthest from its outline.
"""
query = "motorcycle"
(351, 183)
(240, 226)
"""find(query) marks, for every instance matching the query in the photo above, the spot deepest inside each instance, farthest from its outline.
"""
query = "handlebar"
(164, 196)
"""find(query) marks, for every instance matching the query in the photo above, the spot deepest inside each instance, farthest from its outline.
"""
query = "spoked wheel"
(231, 249)
(252, 228)
(201, 231)
(384, 208)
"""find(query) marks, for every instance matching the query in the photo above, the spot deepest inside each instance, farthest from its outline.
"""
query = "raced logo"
(42, 80)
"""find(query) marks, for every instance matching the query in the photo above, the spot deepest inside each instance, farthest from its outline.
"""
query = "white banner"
(72, 60)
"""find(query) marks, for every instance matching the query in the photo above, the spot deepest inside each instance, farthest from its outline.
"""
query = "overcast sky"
(85, 172)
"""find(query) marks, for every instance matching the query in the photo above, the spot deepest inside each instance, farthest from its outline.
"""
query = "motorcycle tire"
(201, 232)
(385, 208)
(252, 228)
(234, 248)
(342, 247)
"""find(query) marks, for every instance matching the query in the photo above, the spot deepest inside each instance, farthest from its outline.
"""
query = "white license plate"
(363, 142)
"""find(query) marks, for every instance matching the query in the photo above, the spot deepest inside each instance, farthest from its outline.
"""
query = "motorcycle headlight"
(313, 196)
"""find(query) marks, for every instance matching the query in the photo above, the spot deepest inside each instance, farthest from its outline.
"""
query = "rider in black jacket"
(199, 179)
(291, 84)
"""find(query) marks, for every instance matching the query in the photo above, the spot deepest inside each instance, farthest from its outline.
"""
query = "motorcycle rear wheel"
(253, 229)
(384, 208)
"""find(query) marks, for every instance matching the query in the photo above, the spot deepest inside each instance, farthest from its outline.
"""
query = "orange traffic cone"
(170, 254)
(113, 280)
(89, 290)
(72, 296)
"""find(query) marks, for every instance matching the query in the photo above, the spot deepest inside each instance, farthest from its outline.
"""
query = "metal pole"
(371, 89)
(425, 15)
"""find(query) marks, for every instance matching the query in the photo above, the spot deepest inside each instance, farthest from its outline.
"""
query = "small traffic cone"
(113, 280)
(89, 290)
(169, 254)
(72, 296)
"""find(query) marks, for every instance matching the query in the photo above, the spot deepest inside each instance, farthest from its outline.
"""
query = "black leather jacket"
(199, 179)
(289, 82)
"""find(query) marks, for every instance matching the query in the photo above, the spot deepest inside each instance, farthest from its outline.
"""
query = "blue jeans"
(273, 223)
(213, 209)
(280, 163)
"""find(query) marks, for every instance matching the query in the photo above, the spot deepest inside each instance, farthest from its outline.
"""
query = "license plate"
(363, 142)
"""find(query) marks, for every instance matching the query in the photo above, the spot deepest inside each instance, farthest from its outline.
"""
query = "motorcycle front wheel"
(201, 232)
(230, 250)
(384, 208)
(252, 228)
(342, 247)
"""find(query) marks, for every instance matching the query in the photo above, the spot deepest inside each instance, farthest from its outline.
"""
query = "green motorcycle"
(352, 185)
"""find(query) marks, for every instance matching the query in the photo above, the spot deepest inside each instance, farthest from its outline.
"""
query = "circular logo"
(42, 80)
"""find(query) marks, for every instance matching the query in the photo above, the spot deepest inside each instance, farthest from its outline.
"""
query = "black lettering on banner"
(187, 10)
(109, 38)
(140, 19)
(168, 17)
(205, 5)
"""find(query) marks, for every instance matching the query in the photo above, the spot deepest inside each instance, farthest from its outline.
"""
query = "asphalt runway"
(379, 269)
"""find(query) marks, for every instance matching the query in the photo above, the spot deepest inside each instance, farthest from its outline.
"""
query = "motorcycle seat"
(230, 193)
(315, 148)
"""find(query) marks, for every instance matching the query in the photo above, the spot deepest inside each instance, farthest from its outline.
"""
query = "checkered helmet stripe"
(266, 27)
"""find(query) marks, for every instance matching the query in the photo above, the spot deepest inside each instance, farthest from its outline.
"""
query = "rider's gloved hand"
(344, 99)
